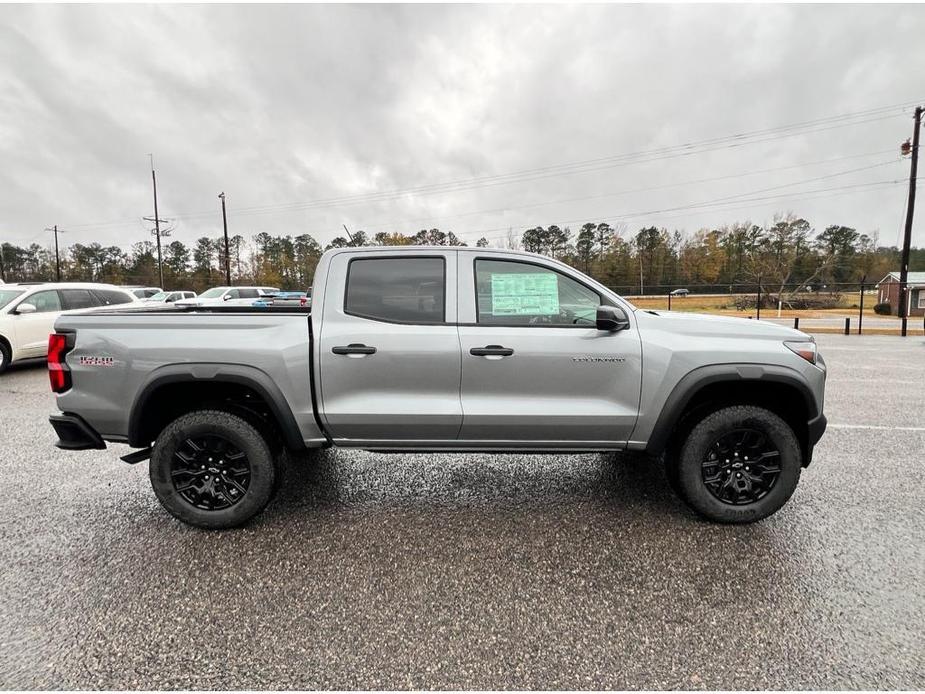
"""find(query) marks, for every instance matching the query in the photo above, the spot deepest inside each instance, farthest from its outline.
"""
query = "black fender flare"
(692, 382)
(240, 374)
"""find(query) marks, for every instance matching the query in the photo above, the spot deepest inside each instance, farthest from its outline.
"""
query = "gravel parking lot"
(472, 571)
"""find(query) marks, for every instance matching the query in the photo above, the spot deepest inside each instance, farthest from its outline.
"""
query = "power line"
(384, 225)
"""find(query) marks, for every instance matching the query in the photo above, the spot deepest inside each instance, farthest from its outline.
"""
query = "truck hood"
(704, 324)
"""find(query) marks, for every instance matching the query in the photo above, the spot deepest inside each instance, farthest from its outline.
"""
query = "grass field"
(725, 305)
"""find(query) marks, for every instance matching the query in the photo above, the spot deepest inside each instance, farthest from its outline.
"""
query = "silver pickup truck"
(439, 349)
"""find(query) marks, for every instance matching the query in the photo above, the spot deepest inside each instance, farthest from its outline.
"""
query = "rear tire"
(212, 469)
(738, 465)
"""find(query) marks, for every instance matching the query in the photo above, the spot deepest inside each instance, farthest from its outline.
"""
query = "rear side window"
(397, 290)
(78, 298)
(110, 297)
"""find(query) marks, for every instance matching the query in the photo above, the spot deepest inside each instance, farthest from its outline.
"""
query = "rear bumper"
(74, 434)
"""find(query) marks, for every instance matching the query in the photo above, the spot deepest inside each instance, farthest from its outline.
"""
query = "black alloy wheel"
(210, 472)
(741, 466)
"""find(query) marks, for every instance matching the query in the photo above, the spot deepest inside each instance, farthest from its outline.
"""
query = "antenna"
(352, 242)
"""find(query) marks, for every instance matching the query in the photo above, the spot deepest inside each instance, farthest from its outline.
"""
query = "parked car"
(228, 296)
(681, 292)
(143, 292)
(440, 349)
(170, 297)
(28, 311)
(287, 298)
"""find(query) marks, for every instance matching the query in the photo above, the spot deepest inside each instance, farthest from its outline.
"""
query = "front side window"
(213, 293)
(397, 290)
(514, 293)
(45, 301)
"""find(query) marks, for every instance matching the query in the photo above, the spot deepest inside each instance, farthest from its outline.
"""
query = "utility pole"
(57, 258)
(910, 208)
(227, 254)
(157, 225)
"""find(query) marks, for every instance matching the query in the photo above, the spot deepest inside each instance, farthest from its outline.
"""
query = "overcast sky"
(302, 113)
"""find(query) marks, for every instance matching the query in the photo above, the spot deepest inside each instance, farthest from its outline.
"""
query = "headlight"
(804, 348)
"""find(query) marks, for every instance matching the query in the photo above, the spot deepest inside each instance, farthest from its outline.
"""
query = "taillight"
(302, 301)
(59, 373)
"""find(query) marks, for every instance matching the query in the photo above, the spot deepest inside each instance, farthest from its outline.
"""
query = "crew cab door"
(389, 350)
(536, 371)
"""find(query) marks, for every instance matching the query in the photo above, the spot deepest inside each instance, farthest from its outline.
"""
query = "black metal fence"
(842, 306)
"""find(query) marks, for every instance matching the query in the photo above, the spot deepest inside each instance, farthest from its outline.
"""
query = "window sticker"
(524, 294)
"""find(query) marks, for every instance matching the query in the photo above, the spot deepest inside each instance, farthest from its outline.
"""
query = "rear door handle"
(491, 351)
(354, 348)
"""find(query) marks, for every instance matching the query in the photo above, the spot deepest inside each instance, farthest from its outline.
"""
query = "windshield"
(160, 296)
(7, 295)
(213, 293)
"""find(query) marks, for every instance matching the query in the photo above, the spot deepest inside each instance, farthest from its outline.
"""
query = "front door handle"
(491, 351)
(354, 348)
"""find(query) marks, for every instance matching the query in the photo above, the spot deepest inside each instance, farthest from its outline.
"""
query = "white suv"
(28, 312)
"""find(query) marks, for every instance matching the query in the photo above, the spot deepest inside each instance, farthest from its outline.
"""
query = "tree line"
(788, 252)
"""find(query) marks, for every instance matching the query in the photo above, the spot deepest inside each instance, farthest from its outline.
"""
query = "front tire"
(212, 469)
(738, 465)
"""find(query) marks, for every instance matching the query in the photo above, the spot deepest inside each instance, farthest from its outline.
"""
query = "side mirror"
(225, 297)
(25, 308)
(612, 319)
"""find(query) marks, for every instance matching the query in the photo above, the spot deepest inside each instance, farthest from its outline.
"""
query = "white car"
(169, 297)
(28, 312)
(228, 296)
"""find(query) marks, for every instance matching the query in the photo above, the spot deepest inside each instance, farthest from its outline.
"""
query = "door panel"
(560, 384)
(408, 388)
(548, 375)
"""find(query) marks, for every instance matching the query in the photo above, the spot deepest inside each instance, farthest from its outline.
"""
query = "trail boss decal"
(96, 361)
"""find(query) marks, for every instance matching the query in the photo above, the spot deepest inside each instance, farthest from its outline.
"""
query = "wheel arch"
(173, 390)
(779, 389)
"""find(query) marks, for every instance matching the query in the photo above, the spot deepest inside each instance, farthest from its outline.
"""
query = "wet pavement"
(475, 571)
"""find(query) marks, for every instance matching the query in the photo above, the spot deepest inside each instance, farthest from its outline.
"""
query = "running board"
(136, 456)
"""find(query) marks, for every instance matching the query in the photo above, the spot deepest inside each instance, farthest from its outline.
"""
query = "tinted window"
(248, 294)
(511, 293)
(45, 301)
(405, 290)
(78, 298)
(110, 297)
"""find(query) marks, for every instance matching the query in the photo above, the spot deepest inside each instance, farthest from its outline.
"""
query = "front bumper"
(816, 428)
(74, 434)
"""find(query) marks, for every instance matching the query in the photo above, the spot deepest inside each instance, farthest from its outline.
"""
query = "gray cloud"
(280, 106)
